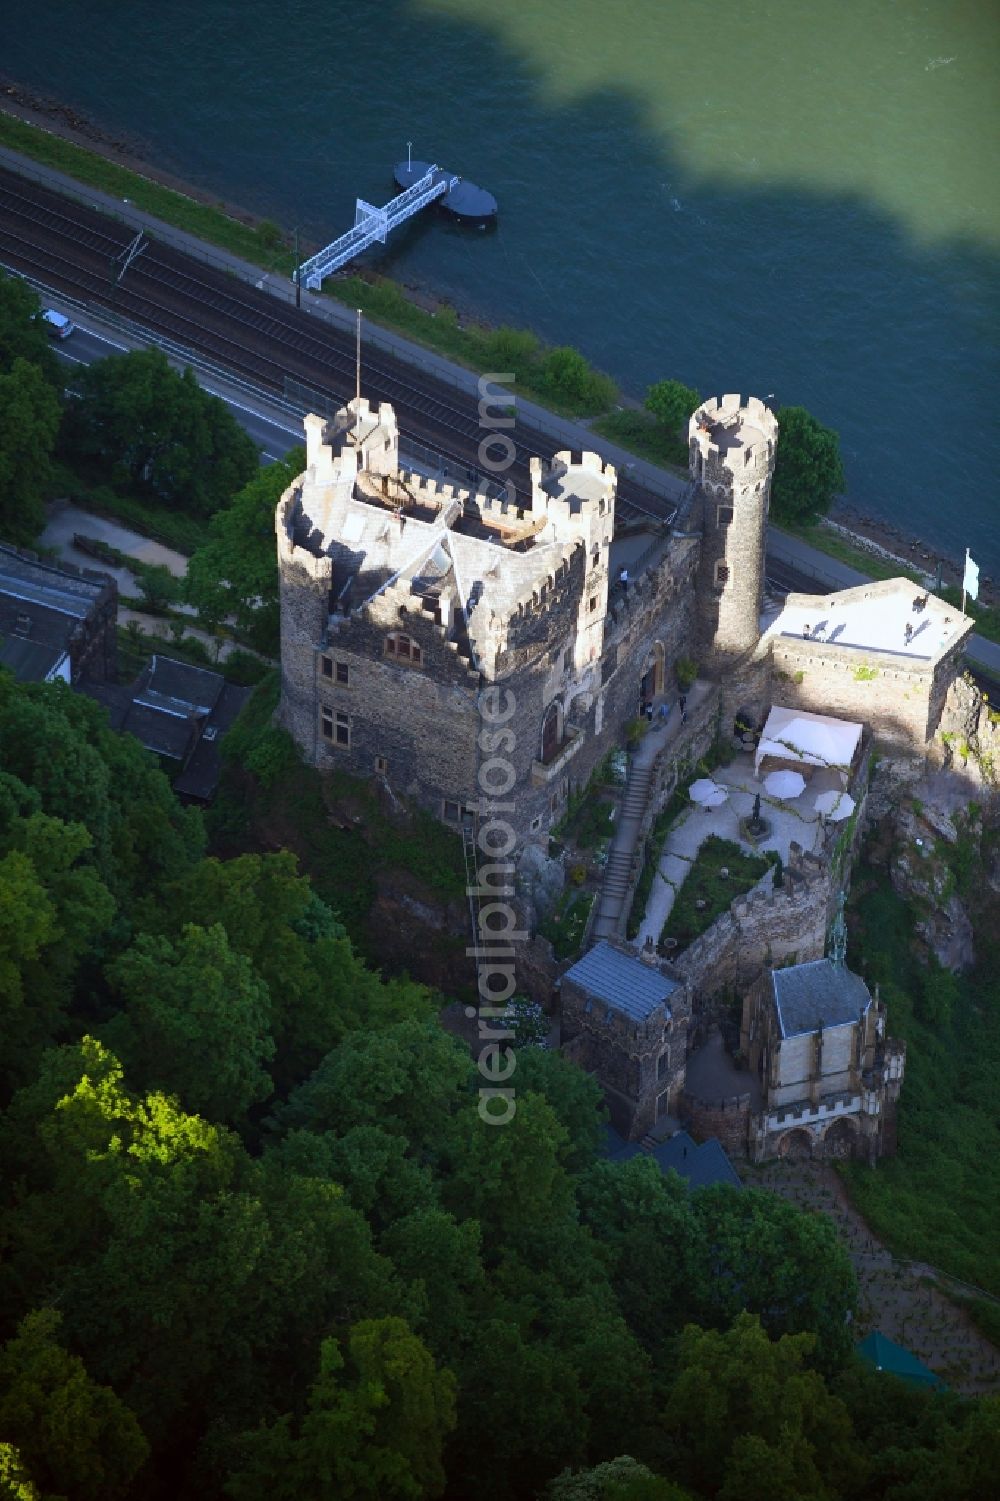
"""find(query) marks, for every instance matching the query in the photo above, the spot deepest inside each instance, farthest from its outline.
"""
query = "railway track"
(72, 247)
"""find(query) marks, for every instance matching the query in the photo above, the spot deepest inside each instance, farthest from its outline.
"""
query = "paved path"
(65, 519)
(790, 818)
(618, 873)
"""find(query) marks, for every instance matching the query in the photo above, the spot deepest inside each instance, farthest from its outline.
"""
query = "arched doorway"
(795, 1146)
(652, 675)
(840, 1139)
(551, 732)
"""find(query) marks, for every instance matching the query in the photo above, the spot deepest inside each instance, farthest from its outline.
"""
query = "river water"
(781, 196)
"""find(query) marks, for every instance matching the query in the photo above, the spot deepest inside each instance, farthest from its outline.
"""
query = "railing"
(372, 225)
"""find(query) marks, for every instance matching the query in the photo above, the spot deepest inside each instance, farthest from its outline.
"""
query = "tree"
(371, 1079)
(750, 1422)
(378, 1414)
(319, 988)
(653, 1243)
(29, 423)
(573, 1094)
(570, 378)
(510, 1178)
(53, 905)
(621, 1479)
(22, 332)
(808, 469)
(236, 571)
(671, 402)
(72, 1435)
(762, 1253)
(144, 423)
(157, 585)
(59, 744)
(196, 1021)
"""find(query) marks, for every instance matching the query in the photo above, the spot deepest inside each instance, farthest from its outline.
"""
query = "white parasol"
(835, 805)
(703, 789)
(784, 784)
(716, 799)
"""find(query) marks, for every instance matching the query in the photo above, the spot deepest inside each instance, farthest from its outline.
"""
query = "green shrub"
(685, 671)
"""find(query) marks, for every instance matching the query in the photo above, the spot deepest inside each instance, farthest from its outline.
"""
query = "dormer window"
(403, 649)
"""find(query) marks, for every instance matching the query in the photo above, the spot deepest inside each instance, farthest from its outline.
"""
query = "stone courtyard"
(792, 820)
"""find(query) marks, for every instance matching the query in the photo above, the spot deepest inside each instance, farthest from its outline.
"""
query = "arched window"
(403, 649)
(551, 733)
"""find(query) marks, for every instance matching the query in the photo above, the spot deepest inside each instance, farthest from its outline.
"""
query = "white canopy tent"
(811, 739)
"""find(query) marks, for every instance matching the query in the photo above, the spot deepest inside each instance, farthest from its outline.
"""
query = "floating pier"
(420, 184)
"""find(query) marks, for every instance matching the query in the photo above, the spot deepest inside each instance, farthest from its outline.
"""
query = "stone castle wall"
(902, 701)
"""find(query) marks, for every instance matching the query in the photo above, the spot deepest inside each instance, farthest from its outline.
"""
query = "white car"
(57, 325)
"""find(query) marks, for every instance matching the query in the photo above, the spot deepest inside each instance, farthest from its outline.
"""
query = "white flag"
(970, 583)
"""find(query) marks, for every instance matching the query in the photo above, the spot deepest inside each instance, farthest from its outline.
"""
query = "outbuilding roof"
(701, 1165)
(818, 994)
(629, 986)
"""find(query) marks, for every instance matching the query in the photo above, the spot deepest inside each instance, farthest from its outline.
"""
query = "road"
(792, 565)
(274, 435)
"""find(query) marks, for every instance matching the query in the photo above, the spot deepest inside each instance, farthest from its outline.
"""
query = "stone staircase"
(618, 871)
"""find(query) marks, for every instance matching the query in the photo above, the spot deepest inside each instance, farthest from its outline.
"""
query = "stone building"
(885, 653)
(625, 1021)
(57, 622)
(402, 599)
(830, 1078)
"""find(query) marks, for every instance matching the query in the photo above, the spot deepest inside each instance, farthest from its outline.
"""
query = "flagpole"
(965, 575)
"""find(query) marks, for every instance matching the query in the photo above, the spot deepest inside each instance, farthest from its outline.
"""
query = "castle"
(402, 598)
(405, 602)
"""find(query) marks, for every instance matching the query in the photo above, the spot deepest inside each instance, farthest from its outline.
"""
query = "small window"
(343, 673)
(663, 1063)
(721, 575)
(452, 811)
(593, 603)
(327, 667)
(536, 824)
(568, 659)
(335, 726)
(403, 649)
(381, 765)
(725, 516)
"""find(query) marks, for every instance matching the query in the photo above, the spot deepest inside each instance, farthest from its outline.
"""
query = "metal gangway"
(372, 225)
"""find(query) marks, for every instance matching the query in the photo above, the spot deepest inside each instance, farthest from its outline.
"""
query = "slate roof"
(821, 993)
(629, 986)
(175, 686)
(31, 661)
(699, 1165)
(42, 607)
(201, 774)
(166, 718)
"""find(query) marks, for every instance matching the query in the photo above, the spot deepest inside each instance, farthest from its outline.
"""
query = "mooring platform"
(419, 184)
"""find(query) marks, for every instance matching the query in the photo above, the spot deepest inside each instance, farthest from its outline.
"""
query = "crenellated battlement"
(734, 434)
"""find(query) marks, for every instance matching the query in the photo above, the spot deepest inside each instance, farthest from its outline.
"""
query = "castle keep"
(403, 598)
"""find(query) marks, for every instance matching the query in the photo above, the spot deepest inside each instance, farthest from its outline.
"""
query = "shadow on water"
(604, 241)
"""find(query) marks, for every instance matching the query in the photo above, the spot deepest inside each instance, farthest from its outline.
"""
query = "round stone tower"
(731, 444)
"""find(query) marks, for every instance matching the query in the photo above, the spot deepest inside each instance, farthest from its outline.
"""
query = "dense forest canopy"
(257, 1241)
